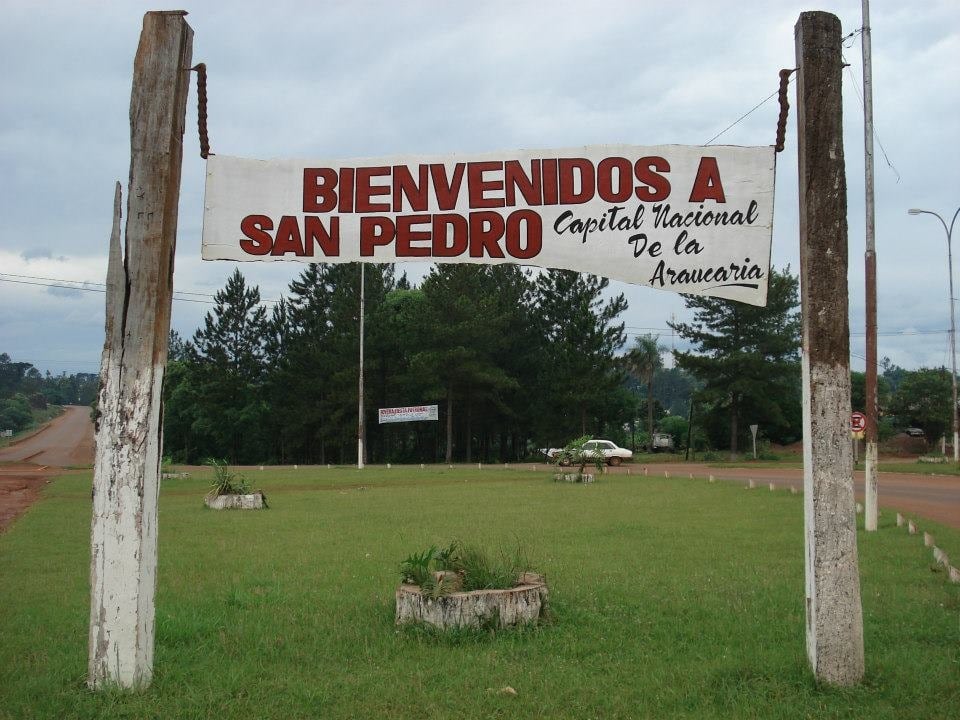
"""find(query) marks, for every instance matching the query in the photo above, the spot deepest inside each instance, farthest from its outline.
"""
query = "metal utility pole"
(361, 425)
(870, 262)
(953, 324)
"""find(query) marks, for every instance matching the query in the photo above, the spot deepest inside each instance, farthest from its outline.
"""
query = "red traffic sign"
(858, 422)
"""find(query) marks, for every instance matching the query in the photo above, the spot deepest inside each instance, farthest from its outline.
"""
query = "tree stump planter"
(574, 477)
(251, 501)
(519, 605)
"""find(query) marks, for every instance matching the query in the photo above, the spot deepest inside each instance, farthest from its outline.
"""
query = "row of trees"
(511, 359)
(24, 389)
(514, 361)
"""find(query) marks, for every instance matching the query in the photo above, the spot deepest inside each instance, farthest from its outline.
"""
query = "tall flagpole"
(361, 426)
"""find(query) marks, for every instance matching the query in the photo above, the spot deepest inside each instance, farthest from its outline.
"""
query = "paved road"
(29, 464)
(936, 497)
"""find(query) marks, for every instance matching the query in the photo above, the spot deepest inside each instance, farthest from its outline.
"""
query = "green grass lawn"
(670, 598)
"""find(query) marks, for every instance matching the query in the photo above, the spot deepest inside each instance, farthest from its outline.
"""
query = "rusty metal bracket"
(201, 70)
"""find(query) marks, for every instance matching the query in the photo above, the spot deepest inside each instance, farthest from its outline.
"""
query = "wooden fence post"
(834, 616)
(123, 536)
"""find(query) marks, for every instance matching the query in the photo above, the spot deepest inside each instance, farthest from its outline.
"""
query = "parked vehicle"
(613, 454)
(662, 442)
(914, 432)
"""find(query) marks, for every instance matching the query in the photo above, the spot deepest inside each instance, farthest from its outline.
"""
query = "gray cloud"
(339, 80)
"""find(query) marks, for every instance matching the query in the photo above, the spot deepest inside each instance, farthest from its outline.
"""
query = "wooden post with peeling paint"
(834, 615)
(123, 566)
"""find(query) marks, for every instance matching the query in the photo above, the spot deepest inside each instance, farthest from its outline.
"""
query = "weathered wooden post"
(123, 565)
(834, 617)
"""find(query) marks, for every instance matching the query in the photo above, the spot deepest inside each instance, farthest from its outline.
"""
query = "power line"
(744, 116)
(80, 285)
(876, 135)
(100, 287)
(87, 289)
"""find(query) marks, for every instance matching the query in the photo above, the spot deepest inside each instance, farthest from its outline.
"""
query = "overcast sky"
(359, 79)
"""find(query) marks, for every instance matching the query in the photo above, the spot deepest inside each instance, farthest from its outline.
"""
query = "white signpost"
(686, 219)
(408, 414)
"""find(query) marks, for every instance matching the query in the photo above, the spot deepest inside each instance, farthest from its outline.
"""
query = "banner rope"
(201, 70)
(784, 108)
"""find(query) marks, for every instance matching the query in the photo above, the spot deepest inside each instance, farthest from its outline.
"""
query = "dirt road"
(66, 441)
(936, 497)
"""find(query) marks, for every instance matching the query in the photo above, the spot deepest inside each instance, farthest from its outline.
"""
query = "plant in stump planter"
(574, 454)
(231, 490)
(463, 587)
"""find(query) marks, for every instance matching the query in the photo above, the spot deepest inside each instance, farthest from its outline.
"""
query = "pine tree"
(581, 335)
(747, 358)
(228, 355)
(460, 330)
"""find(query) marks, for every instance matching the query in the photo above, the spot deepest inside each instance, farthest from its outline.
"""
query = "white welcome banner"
(681, 218)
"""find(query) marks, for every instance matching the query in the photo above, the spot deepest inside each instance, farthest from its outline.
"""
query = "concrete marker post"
(834, 615)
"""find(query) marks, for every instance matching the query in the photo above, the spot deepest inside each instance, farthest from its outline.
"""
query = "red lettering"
(624, 180)
(707, 185)
(549, 169)
(415, 191)
(346, 190)
(365, 190)
(446, 191)
(569, 194)
(653, 186)
(406, 235)
(530, 186)
(374, 230)
(319, 189)
(258, 241)
(288, 237)
(486, 229)
(534, 234)
(477, 186)
(443, 244)
(315, 233)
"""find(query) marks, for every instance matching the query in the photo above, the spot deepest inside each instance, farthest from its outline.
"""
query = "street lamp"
(953, 325)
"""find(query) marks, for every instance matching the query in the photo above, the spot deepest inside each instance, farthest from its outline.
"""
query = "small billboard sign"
(408, 414)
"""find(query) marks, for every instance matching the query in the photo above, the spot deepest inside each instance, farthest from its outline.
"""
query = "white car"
(613, 454)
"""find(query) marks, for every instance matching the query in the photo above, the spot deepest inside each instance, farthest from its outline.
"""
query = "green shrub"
(476, 568)
(226, 482)
(574, 454)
